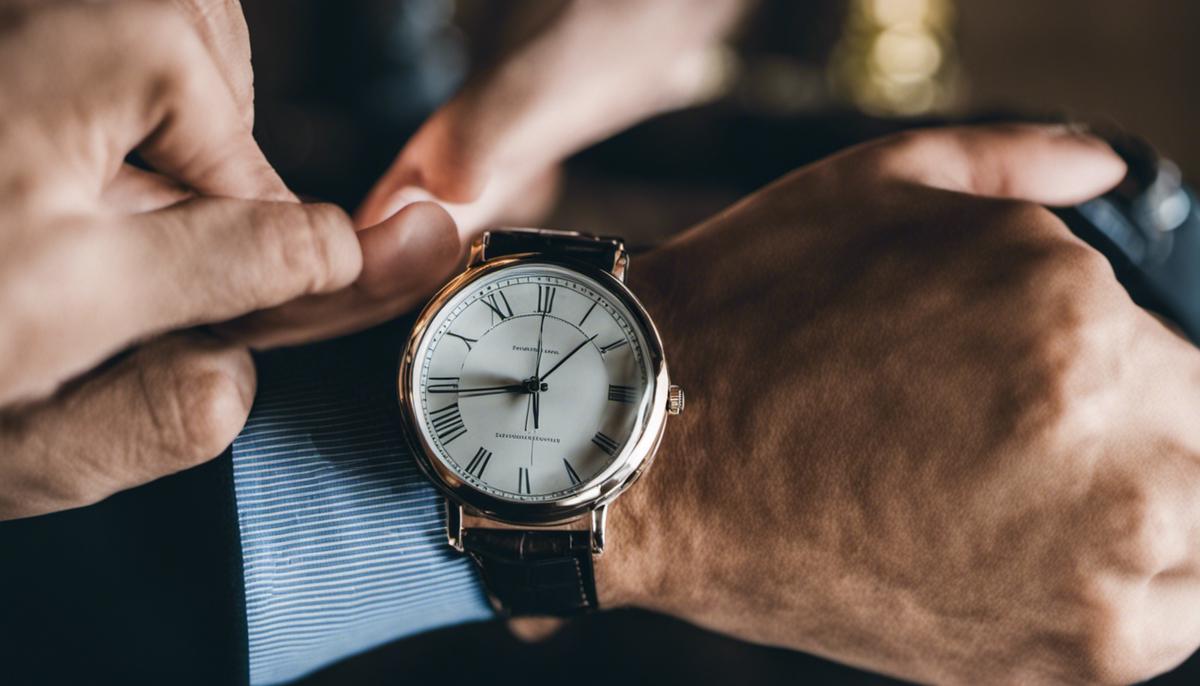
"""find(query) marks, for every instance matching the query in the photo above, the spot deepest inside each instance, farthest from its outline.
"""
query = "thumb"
(1049, 165)
(410, 253)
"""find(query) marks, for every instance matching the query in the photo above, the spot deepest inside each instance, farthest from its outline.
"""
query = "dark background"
(340, 86)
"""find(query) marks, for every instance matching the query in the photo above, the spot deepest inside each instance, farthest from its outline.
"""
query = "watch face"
(532, 382)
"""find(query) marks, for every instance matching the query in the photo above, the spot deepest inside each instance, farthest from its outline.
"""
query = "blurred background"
(340, 87)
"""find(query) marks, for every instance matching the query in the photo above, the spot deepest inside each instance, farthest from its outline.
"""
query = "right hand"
(96, 256)
(927, 432)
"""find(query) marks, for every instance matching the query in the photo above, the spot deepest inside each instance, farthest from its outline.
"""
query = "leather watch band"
(601, 252)
(535, 573)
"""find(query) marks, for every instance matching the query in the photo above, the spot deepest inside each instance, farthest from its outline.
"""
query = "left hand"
(932, 436)
(491, 155)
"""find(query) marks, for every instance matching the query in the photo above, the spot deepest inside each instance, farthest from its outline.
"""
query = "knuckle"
(1136, 527)
(167, 43)
(200, 402)
(163, 21)
(314, 243)
(1067, 328)
(214, 407)
(1110, 645)
(1107, 646)
(164, 29)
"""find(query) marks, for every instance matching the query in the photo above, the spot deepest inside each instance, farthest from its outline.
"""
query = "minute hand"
(567, 357)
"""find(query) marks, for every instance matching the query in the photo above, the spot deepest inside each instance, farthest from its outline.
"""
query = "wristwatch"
(535, 391)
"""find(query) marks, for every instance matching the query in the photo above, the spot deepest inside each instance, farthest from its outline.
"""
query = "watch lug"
(454, 521)
(620, 262)
(599, 521)
(478, 250)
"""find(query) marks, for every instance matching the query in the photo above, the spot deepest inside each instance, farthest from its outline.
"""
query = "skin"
(171, 80)
(960, 454)
(490, 155)
(105, 269)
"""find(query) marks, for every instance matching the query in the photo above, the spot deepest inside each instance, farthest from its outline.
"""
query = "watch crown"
(675, 400)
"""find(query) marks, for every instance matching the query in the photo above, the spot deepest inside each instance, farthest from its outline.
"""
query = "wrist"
(646, 541)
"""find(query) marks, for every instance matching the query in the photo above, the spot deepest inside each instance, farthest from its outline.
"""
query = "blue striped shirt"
(344, 540)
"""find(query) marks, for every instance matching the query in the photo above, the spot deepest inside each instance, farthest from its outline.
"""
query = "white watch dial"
(531, 382)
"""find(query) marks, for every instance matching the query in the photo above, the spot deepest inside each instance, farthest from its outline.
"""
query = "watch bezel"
(636, 459)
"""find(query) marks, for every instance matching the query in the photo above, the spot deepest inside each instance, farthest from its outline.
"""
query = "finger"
(410, 253)
(135, 190)
(379, 206)
(160, 92)
(201, 261)
(201, 134)
(171, 405)
(222, 27)
(404, 260)
(515, 200)
(1050, 165)
(438, 163)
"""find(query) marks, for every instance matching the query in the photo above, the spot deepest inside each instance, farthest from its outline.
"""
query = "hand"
(407, 254)
(491, 155)
(537, 373)
(927, 433)
(490, 390)
(89, 269)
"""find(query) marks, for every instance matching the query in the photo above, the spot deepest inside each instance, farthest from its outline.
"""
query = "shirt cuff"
(344, 540)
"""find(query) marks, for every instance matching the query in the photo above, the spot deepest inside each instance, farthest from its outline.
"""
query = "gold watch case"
(592, 499)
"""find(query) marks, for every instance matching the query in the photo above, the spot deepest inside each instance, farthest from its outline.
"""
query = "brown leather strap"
(535, 573)
(597, 251)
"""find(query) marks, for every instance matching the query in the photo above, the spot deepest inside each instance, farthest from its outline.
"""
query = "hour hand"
(492, 390)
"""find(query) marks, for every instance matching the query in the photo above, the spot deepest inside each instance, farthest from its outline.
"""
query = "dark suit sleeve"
(143, 588)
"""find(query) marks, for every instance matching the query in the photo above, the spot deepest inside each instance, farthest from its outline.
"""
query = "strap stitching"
(583, 602)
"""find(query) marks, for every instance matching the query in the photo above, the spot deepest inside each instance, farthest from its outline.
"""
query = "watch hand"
(567, 357)
(537, 367)
(537, 370)
(528, 404)
(490, 390)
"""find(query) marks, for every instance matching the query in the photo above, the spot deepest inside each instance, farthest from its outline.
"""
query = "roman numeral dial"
(478, 464)
(545, 299)
(530, 382)
(523, 480)
(466, 341)
(622, 394)
(498, 303)
(448, 423)
(605, 443)
(446, 384)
